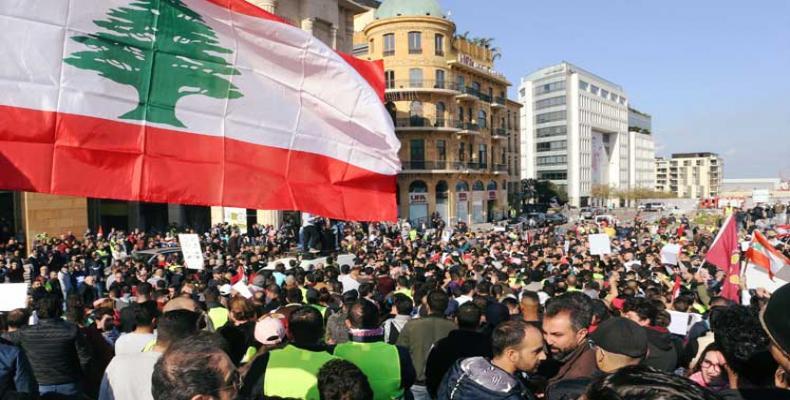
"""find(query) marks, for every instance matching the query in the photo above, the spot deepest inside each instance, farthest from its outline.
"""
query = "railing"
(500, 100)
(426, 122)
(424, 165)
(500, 132)
(469, 90)
(484, 97)
(388, 53)
(421, 84)
(415, 51)
(500, 168)
(469, 126)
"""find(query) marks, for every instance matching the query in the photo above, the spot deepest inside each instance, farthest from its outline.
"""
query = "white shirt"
(348, 282)
(128, 377)
(130, 343)
(463, 299)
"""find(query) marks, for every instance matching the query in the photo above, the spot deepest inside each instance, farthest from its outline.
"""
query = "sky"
(714, 74)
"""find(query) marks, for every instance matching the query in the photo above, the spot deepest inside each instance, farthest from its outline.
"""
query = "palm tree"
(496, 53)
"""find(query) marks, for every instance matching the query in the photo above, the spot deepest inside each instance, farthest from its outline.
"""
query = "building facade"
(457, 128)
(574, 131)
(29, 214)
(690, 175)
(641, 151)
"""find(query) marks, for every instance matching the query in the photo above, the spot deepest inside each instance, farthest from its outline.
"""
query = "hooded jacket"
(663, 351)
(476, 378)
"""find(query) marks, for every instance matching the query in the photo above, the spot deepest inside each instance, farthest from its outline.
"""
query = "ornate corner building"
(459, 132)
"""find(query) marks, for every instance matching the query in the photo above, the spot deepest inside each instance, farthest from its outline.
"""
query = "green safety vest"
(406, 292)
(219, 316)
(320, 309)
(293, 372)
(380, 363)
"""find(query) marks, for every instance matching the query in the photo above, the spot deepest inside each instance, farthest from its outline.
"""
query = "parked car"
(610, 220)
(586, 213)
(654, 206)
(557, 219)
(150, 256)
(538, 218)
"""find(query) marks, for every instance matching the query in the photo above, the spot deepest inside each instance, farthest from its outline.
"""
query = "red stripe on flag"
(372, 71)
(85, 156)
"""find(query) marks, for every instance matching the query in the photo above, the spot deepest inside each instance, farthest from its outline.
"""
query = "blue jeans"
(66, 389)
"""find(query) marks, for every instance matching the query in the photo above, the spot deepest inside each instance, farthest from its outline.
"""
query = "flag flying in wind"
(761, 253)
(207, 102)
(724, 253)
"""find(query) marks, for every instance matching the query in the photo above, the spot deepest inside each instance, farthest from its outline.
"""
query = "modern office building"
(690, 175)
(458, 130)
(641, 151)
(26, 214)
(574, 131)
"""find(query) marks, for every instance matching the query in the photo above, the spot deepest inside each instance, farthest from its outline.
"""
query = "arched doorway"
(443, 200)
(418, 202)
(478, 194)
(491, 192)
(462, 202)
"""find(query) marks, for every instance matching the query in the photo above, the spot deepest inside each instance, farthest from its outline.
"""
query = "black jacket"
(476, 378)
(57, 351)
(663, 350)
(457, 345)
(15, 373)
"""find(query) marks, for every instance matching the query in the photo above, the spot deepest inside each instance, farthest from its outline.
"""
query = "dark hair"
(468, 286)
(532, 296)
(403, 304)
(345, 269)
(468, 316)
(342, 380)
(306, 325)
(639, 382)
(577, 304)
(644, 308)
(365, 289)
(17, 318)
(211, 294)
(176, 325)
(293, 295)
(190, 368)
(144, 289)
(437, 302)
(508, 334)
(49, 307)
(744, 344)
(312, 296)
(363, 315)
(144, 313)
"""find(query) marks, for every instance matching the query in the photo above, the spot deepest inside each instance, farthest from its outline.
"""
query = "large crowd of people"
(411, 312)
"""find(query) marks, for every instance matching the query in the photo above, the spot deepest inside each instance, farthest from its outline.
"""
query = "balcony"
(485, 97)
(467, 93)
(499, 102)
(427, 124)
(446, 167)
(469, 128)
(500, 168)
(423, 85)
(499, 133)
(389, 53)
(408, 166)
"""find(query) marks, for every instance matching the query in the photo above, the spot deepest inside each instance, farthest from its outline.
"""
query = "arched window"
(415, 109)
(478, 186)
(461, 187)
(491, 186)
(476, 88)
(482, 117)
(441, 190)
(415, 77)
(418, 187)
(441, 110)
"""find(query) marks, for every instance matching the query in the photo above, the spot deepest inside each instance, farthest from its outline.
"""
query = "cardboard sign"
(190, 247)
(241, 288)
(681, 322)
(600, 244)
(13, 296)
(670, 253)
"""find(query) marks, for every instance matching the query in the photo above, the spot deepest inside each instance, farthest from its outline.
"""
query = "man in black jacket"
(463, 342)
(664, 353)
(15, 374)
(57, 351)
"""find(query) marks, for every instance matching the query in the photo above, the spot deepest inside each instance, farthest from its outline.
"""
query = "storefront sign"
(463, 196)
(492, 195)
(418, 198)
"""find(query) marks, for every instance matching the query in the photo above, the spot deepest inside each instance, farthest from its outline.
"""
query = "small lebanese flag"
(783, 231)
(206, 102)
(761, 253)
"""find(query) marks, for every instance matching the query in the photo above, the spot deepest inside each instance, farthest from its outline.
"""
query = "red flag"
(676, 287)
(724, 253)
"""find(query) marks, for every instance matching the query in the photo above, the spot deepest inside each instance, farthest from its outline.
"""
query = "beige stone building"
(458, 130)
(27, 214)
(690, 175)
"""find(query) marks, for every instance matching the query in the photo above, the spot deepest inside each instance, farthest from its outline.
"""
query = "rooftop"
(409, 8)
(569, 68)
(694, 155)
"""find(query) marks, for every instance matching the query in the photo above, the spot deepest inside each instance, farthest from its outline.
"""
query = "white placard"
(13, 296)
(236, 217)
(679, 322)
(599, 244)
(346, 259)
(670, 253)
(242, 289)
(309, 265)
(286, 262)
(757, 277)
(446, 235)
(190, 247)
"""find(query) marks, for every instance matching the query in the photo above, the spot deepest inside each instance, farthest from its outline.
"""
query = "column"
(307, 25)
(333, 32)
(53, 215)
(270, 217)
(217, 215)
(266, 5)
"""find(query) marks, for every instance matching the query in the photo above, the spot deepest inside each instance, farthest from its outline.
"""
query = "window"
(461, 152)
(552, 131)
(481, 119)
(441, 150)
(594, 89)
(440, 114)
(415, 109)
(389, 44)
(522, 92)
(440, 79)
(482, 155)
(549, 87)
(552, 160)
(461, 114)
(552, 175)
(583, 85)
(415, 78)
(552, 146)
(550, 117)
(415, 43)
(476, 88)
(604, 93)
(614, 97)
(550, 102)
(389, 79)
(439, 44)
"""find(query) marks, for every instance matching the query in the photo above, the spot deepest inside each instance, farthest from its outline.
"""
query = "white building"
(690, 175)
(574, 130)
(641, 151)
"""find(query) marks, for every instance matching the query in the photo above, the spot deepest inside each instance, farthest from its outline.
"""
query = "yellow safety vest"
(379, 361)
(293, 372)
(219, 316)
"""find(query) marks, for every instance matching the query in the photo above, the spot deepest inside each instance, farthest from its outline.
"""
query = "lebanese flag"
(763, 254)
(206, 102)
(724, 253)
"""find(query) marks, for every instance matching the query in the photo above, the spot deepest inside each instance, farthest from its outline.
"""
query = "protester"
(566, 324)
(777, 326)
(644, 383)
(16, 376)
(516, 346)
(342, 380)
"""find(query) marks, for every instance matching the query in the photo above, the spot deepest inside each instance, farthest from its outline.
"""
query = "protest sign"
(599, 244)
(236, 217)
(285, 261)
(346, 259)
(190, 248)
(241, 288)
(681, 322)
(13, 296)
(670, 253)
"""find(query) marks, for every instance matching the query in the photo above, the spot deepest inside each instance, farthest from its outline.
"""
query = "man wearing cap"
(776, 324)
(617, 343)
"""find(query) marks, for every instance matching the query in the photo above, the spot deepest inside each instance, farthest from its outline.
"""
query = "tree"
(162, 49)
(601, 192)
